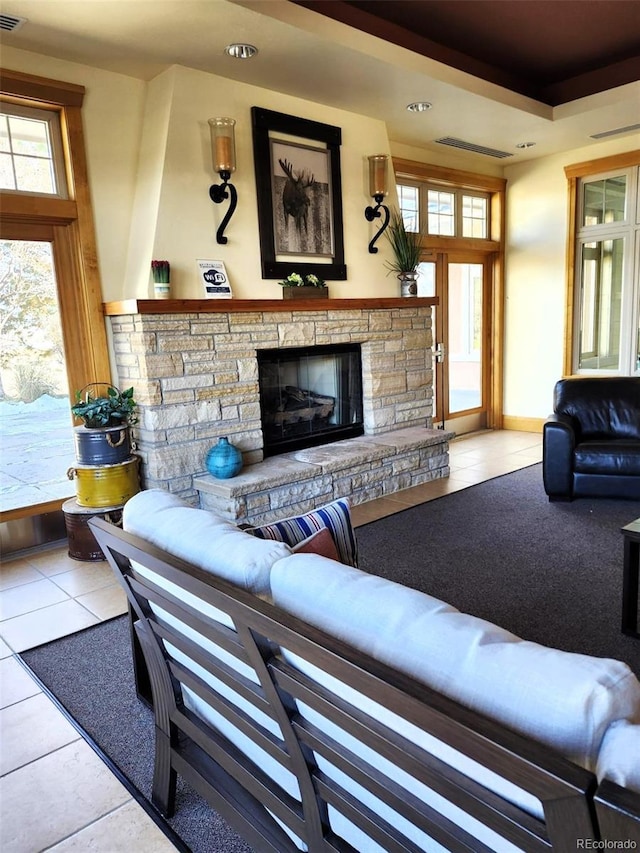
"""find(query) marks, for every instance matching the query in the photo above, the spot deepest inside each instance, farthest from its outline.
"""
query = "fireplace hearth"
(309, 396)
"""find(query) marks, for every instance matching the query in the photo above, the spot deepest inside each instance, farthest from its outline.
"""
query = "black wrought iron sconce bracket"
(218, 193)
(377, 212)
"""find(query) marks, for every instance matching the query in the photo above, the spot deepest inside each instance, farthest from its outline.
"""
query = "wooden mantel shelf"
(229, 306)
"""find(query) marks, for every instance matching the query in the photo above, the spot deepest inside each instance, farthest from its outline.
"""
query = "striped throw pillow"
(336, 517)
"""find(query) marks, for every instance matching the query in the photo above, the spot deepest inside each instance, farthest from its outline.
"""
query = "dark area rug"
(91, 676)
(549, 572)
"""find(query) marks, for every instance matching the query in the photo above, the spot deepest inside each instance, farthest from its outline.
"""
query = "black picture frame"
(271, 127)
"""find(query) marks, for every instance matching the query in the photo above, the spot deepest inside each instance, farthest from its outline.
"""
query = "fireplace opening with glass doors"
(309, 396)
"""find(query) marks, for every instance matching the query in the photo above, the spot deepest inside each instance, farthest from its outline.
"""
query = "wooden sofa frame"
(243, 794)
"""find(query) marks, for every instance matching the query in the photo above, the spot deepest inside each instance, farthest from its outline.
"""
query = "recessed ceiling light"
(419, 107)
(241, 51)
(525, 144)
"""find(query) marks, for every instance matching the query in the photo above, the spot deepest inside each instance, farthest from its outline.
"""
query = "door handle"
(439, 353)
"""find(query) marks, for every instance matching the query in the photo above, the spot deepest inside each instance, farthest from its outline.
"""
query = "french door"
(461, 334)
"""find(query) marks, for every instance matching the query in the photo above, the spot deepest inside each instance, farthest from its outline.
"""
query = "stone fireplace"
(194, 367)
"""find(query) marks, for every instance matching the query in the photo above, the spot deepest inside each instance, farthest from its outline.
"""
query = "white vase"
(408, 283)
(162, 291)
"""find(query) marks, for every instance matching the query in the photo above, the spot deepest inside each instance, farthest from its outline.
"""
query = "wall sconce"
(223, 150)
(378, 190)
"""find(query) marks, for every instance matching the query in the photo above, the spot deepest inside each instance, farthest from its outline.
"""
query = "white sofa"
(349, 706)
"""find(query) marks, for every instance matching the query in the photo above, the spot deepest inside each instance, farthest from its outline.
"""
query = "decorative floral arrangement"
(297, 280)
(161, 272)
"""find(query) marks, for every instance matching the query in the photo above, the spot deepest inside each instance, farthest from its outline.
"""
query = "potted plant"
(111, 409)
(107, 413)
(407, 247)
(297, 286)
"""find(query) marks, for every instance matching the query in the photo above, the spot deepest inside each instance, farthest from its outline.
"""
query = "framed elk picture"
(297, 163)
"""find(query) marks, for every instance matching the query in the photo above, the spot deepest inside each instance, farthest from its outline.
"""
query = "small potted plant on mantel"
(296, 286)
(407, 248)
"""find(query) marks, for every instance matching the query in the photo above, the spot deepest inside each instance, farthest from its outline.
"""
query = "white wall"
(535, 276)
(186, 222)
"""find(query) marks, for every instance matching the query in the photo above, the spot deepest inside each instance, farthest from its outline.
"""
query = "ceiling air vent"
(471, 146)
(9, 23)
(615, 132)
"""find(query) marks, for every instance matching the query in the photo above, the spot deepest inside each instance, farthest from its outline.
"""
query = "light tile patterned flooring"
(55, 793)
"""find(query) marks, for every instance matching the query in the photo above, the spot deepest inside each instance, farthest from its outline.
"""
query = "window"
(445, 212)
(409, 203)
(441, 212)
(31, 156)
(38, 147)
(606, 290)
(474, 216)
(604, 201)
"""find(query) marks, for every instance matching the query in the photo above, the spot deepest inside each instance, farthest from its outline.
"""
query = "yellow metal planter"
(106, 485)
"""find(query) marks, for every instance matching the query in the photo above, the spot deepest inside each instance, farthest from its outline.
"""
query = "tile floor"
(55, 793)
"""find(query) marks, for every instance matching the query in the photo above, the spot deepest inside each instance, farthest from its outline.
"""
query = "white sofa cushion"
(619, 758)
(564, 700)
(203, 538)
(411, 606)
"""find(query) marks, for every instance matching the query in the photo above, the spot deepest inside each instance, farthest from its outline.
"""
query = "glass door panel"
(459, 360)
(465, 309)
(601, 305)
(35, 417)
(460, 365)
(427, 286)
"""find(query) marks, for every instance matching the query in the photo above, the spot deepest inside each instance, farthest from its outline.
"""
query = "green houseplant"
(406, 246)
(109, 408)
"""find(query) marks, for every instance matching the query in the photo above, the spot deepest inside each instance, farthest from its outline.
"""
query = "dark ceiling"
(552, 50)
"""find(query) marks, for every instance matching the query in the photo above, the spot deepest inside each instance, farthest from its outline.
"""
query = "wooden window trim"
(71, 229)
(446, 176)
(435, 176)
(574, 173)
(40, 90)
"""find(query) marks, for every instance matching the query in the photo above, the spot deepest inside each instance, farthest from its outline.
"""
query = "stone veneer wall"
(360, 468)
(195, 374)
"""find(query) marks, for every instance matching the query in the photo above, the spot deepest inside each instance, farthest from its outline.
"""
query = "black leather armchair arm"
(558, 441)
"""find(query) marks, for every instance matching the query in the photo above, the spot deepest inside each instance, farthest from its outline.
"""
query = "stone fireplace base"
(359, 468)
(194, 369)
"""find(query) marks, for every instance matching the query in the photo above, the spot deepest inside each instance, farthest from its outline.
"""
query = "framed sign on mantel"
(299, 189)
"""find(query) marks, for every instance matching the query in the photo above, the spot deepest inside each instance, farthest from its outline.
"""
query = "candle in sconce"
(378, 174)
(223, 144)
(224, 154)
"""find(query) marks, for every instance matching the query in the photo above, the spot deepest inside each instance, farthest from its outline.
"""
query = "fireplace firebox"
(309, 396)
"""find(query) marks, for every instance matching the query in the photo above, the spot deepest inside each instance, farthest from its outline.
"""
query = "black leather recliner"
(591, 442)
